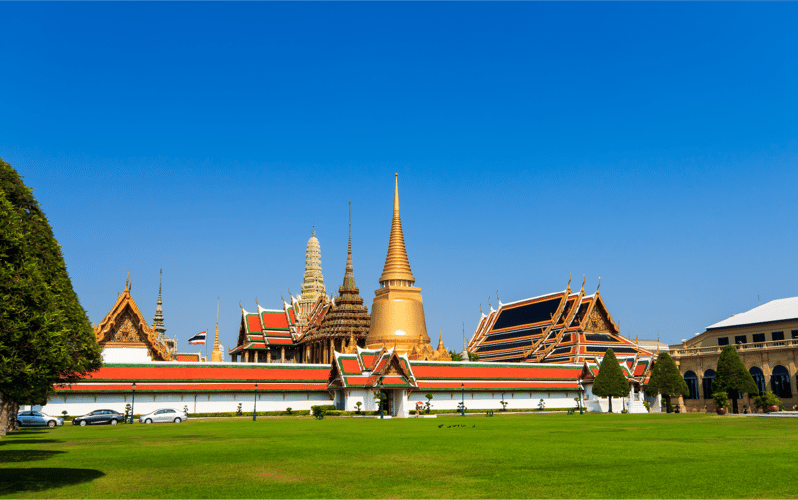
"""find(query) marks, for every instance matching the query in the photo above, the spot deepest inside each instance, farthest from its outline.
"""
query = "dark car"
(99, 417)
(37, 418)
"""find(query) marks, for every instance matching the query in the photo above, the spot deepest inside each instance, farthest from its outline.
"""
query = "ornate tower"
(313, 286)
(397, 314)
(347, 322)
(216, 355)
(157, 321)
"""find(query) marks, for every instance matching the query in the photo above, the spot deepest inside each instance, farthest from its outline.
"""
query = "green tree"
(45, 336)
(666, 380)
(456, 356)
(732, 376)
(610, 381)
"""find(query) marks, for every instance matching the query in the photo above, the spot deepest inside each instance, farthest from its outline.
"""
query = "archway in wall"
(692, 384)
(709, 377)
(780, 382)
(759, 378)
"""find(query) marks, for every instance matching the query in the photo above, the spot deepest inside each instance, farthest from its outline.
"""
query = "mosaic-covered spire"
(313, 285)
(157, 321)
(397, 267)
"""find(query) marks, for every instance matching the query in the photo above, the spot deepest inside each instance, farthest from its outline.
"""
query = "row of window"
(757, 337)
(779, 382)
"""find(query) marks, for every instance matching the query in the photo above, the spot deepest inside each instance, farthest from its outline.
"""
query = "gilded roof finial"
(497, 297)
(599, 285)
(127, 280)
(480, 310)
(313, 231)
(289, 291)
(489, 304)
(281, 298)
(583, 283)
(569, 278)
(397, 266)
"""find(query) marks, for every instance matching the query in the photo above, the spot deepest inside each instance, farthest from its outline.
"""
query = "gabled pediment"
(599, 320)
(125, 326)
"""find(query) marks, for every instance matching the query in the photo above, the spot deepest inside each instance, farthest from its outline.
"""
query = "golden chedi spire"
(397, 266)
(397, 313)
(216, 355)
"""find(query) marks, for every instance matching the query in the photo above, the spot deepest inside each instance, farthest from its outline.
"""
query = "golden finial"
(569, 278)
(583, 283)
(489, 304)
(599, 285)
(256, 302)
(289, 291)
(127, 280)
(281, 297)
(397, 266)
(480, 309)
(239, 305)
(497, 297)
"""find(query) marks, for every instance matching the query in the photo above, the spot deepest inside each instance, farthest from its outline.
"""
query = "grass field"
(508, 456)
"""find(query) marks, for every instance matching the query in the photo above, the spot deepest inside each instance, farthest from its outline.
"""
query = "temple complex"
(561, 327)
(397, 313)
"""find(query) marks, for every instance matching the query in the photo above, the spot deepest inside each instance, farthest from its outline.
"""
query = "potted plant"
(768, 402)
(721, 400)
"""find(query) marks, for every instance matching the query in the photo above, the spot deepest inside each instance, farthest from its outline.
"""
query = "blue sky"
(652, 144)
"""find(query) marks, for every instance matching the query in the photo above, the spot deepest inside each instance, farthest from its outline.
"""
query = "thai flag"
(198, 338)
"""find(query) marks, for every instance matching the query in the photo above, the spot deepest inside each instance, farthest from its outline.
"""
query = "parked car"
(99, 417)
(164, 415)
(36, 419)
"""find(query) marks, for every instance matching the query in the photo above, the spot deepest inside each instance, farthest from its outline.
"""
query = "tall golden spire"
(216, 355)
(397, 267)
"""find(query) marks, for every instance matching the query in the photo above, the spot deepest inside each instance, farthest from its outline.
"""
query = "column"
(282, 354)
(268, 355)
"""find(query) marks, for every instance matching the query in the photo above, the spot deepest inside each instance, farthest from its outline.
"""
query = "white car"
(37, 418)
(163, 415)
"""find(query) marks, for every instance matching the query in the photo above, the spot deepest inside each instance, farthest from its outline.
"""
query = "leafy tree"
(666, 380)
(456, 356)
(732, 376)
(473, 356)
(45, 336)
(610, 381)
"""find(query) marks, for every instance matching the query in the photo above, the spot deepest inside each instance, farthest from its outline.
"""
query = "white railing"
(697, 351)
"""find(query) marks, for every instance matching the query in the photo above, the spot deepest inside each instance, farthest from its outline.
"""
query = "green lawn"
(507, 456)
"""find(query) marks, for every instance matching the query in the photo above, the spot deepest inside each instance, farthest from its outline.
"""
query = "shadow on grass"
(12, 456)
(29, 441)
(41, 479)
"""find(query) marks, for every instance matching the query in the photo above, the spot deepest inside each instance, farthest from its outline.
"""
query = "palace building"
(766, 339)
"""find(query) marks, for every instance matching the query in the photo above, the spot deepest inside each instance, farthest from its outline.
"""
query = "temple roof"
(124, 325)
(267, 327)
(560, 327)
(397, 266)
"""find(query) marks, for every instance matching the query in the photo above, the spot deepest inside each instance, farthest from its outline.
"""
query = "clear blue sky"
(652, 144)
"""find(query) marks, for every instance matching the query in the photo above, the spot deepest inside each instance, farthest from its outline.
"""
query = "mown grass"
(508, 456)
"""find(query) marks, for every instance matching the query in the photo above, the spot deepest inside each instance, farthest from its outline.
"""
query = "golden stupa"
(397, 313)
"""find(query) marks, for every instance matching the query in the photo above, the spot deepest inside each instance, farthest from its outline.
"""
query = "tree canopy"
(666, 380)
(610, 381)
(732, 376)
(45, 335)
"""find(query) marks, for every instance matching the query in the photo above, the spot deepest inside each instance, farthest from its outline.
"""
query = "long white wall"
(80, 404)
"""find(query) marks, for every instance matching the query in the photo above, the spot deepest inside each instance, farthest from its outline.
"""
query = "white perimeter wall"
(80, 404)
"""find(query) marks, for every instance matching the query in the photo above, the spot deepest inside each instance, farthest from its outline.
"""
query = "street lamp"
(255, 406)
(133, 402)
(462, 399)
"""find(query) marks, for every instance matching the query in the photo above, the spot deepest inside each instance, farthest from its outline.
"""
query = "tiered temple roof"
(267, 327)
(561, 327)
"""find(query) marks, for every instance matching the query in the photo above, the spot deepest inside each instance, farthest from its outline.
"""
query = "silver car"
(163, 415)
(37, 418)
